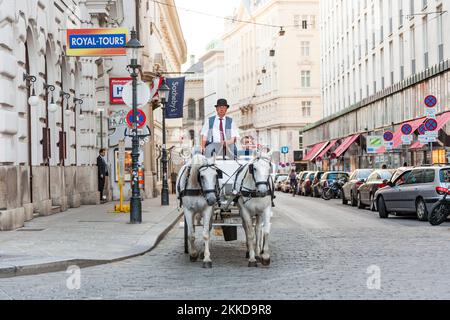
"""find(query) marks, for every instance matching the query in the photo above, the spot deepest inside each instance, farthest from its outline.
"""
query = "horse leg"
(193, 253)
(258, 238)
(265, 258)
(207, 218)
(247, 254)
(250, 235)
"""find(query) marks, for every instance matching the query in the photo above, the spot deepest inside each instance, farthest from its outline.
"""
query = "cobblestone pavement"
(320, 250)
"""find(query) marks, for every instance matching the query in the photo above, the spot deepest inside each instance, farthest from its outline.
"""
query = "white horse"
(254, 187)
(197, 187)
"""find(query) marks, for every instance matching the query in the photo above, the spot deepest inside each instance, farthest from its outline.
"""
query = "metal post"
(165, 186)
(431, 153)
(135, 203)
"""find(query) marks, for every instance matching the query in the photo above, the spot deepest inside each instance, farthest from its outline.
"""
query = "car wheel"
(344, 201)
(353, 201)
(360, 204)
(421, 210)
(382, 211)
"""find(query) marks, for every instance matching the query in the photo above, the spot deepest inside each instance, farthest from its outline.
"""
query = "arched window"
(191, 109)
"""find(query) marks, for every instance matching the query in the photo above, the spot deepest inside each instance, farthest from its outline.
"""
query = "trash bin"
(229, 233)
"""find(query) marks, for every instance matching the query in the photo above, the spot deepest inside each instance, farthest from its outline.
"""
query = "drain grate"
(31, 230)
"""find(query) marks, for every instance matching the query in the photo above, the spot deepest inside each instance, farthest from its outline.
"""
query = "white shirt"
(216, 130)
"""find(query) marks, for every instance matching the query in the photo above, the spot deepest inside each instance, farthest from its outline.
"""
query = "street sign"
(388, 136)
(388, 144)
(374, 143)
(407, 139)
(430, 101)
(141, 118)
(431, 124)
(423, 139)
(285, 150)
(406, 129)
(143, 94)
(430, 113)
(116, 86)
(422, 129)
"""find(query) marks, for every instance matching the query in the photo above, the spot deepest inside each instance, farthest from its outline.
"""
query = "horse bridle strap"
(196, 192)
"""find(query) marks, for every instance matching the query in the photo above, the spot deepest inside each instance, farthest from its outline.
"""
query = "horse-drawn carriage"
(229, 192)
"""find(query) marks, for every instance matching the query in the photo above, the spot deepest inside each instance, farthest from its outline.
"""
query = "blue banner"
(174, 106)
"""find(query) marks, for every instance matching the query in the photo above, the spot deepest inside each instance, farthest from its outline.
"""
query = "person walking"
(293, 181)
(102, 168)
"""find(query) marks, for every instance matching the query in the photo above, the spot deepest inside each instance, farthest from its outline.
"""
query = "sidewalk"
(85, 236)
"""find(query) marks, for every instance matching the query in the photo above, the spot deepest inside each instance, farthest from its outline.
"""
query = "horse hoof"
(193, 259)
(202, 255)
(258, 259)
(247, 255)
(207, 265)
(252, 264)
(265, 262)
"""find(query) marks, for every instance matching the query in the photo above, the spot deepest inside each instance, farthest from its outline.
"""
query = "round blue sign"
(430, 101)
(431, 124)
(406, 129)
(388, 136)
(422, 129)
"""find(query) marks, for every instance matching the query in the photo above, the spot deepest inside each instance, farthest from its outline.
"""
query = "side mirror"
(362, 180)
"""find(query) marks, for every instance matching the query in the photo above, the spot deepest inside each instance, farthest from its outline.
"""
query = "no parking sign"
(141, 118)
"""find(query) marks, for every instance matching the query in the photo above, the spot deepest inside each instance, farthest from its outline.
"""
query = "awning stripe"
(344, 146)
(314, 151)
(324, 151)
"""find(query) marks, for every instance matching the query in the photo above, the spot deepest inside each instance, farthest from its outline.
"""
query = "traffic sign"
(388, 136)
(422, 129)
(407, 139)
(141, 118)
(284, 150)
(406, 129)
(423, 139)
(430, 101)
(431, 124)
(143, 94)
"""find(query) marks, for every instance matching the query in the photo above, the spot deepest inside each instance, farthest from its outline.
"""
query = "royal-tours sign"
(96, 42)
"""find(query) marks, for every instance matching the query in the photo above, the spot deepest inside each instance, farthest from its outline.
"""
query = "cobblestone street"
(320, 250)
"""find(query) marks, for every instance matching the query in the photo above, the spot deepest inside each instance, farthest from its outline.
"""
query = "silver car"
(412, 191)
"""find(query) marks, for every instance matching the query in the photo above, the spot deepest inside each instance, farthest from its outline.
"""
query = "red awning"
(324, 151)
(315, 151)
(344, 146)
(416, 145)
(398, 134)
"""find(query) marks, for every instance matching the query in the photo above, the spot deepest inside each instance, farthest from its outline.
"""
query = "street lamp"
(33, 100)
(65, 95)
(80, 102)
(133, 47)
(52, 107)
(163, 92)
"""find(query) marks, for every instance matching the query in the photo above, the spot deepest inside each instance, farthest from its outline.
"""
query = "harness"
(253, 193)
(195, 192)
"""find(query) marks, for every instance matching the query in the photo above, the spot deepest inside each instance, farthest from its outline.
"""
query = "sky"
(199, 30)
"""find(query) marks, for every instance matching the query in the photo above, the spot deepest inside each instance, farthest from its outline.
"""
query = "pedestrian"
(405, 164)
(102, 168)
(384, 167)
(173, 179)
(293, 181)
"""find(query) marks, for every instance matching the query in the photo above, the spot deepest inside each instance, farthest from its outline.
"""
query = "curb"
(57, 266)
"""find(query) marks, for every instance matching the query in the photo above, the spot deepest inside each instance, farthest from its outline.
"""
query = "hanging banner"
(174, 105)
(96, 42)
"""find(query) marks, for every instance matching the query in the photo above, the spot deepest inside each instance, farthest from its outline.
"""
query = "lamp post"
(133, 46)
(163, 92)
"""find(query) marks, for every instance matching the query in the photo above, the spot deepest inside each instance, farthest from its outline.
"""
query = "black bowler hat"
(222, 102)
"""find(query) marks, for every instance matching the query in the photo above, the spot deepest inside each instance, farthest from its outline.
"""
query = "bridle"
(252, 193)
(201, 191)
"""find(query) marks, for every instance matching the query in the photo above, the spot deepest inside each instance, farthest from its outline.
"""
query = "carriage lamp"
(33, 100)
(132, 47)
(163, 93)
(52, 107)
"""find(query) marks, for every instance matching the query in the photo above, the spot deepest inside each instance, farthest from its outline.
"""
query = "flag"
(154, 87)
(175, 100)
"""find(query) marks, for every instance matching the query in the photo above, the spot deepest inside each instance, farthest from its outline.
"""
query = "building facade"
(47, 153)
(273, 79)
(380, 59)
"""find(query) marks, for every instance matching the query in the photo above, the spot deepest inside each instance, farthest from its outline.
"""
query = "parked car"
(306, 186)
(280, 182)
(315, 184)
(300, 179)
(377, 180)
(286, 186)
(350, 189)
(413, 191)
(329, 177)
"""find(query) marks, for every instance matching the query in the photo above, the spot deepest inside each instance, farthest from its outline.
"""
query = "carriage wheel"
(186, 248)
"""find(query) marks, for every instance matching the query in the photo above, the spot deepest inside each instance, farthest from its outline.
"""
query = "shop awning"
(441, 120)
(344, 146)
(325, 150)
(315, 150)
(398, 134)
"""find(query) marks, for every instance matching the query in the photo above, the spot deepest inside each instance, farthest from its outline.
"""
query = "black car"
(375, 181)
(350, 189)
